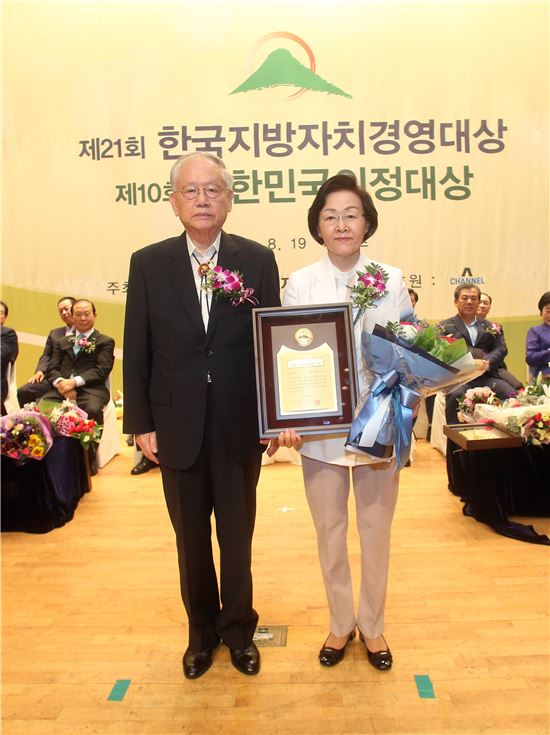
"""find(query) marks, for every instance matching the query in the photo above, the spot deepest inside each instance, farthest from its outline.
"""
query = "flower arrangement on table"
(223, 283)
(369, 289)
(472, 398)
(25, 435)
(67, 419)
(536, 429)
(408, 361)
(513, 412)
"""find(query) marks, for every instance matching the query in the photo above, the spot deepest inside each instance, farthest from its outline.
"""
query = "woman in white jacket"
(341, 218)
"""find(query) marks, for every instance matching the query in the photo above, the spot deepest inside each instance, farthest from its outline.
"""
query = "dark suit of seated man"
(38, 386)
(483, 342)
(79, 373)
(485, 303)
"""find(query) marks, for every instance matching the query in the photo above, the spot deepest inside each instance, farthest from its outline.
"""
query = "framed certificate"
(473, 437)
(305, 369)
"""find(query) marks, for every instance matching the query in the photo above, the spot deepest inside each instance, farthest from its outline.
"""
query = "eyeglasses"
(212, 191)
(469, 298)
(347, 219)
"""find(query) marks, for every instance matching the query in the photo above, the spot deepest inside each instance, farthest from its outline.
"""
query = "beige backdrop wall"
(440, 108)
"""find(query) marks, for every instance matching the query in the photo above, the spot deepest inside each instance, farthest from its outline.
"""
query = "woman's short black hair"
(6, 310)
(543, 301)
(341, 182)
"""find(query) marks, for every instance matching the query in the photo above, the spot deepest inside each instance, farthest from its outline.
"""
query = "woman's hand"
(288, 438)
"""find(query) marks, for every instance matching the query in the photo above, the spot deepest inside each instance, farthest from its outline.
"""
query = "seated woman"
(9, 349)
(537, 348)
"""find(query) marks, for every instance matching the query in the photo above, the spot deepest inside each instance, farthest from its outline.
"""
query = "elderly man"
(37, 385)
(485, 342)
(190, 399)
(485, 304)
(80, 365)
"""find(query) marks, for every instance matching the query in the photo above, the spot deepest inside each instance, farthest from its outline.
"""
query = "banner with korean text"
(439, 108)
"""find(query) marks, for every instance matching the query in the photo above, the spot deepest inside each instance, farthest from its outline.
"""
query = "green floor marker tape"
(424, 686)
(119, 690)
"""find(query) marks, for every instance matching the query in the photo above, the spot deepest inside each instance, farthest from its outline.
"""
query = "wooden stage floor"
(97, 602)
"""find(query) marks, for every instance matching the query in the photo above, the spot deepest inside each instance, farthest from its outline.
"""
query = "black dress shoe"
(197, 664)
(246, 661)
(381, 660)
(144, 465)
(331, 656)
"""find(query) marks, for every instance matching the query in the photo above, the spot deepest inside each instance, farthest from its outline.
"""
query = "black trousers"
(217, 483)
(30, 392)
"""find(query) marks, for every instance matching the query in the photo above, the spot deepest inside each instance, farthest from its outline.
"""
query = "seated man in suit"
(485, 303)
(37, 385)
(10, 349)
(80, 365)
(485, 342)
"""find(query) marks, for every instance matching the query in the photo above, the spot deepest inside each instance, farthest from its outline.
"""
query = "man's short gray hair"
(226, 176)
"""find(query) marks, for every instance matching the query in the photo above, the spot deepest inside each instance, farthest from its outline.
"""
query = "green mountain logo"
(280, 69)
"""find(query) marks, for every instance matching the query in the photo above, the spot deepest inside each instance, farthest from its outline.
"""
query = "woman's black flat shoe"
(331, 656)
(381, 660)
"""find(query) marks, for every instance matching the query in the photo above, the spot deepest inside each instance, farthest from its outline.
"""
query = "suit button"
(209, 353)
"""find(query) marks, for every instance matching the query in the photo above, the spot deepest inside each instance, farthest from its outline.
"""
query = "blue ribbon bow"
(399, 431)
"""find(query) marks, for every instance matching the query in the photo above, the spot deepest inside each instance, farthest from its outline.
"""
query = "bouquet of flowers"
(536, 429)
(472, 398)
(25, 435)
(370, 288)
(407, 363)
(223, 283)
(67, 419)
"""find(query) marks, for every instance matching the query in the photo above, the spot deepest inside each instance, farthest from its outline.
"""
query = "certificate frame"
(497, 437)
(330, 328)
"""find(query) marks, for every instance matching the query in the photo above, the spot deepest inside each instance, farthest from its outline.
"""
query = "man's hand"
(66, 386)
(148, 445)
(38, 377)
(482, 365)
(288, 438)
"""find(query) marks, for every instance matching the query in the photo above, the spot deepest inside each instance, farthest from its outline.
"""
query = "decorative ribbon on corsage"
(223, 283)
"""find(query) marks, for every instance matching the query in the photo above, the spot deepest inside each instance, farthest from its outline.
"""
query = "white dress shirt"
(196, 257)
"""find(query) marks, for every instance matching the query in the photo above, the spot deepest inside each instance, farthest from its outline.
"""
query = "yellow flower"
(37, 452)
(34, 439)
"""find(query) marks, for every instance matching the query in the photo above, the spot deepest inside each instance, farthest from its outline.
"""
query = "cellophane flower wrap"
(408, 361)
(25, 435)
(473, 398)
(67, 419)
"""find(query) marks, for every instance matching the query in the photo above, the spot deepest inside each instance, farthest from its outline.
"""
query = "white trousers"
(327, 491)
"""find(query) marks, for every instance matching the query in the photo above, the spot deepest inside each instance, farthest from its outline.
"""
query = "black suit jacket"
(56, 335)
(94, 367)
(9, 348)
(487, 346)
(168, 356)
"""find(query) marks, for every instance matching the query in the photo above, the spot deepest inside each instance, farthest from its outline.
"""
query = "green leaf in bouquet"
(453, 351)
(426, 339)
(46, 407)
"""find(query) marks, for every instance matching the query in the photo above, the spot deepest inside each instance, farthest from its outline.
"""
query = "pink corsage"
(223, 283)
(85, 344)
(494, 329)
